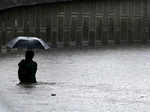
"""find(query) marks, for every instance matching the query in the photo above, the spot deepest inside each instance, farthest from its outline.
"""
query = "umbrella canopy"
(27, 42)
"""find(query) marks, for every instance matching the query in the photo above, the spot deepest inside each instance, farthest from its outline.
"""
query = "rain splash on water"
(106, 79)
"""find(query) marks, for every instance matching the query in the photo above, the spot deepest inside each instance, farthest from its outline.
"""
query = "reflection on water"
(105, 79)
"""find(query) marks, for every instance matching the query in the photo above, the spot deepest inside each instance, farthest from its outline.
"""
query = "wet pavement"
(106, 79)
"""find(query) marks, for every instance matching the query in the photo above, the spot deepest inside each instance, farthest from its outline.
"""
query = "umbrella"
(27, 42)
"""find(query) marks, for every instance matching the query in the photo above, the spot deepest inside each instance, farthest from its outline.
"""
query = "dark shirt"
(27, 71)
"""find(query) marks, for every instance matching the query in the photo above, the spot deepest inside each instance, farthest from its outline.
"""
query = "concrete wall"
(86, 23)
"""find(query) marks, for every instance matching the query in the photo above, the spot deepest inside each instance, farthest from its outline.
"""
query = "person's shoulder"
(22, 61)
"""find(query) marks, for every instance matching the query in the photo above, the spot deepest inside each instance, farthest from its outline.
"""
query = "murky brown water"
(108, 79)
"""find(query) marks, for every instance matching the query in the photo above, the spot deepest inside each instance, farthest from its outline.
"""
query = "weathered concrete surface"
(4, 4)
(102, 80)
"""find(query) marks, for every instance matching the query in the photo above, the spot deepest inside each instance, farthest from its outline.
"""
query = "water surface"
(106, 79)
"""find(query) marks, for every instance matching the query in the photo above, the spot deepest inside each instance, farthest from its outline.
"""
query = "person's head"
(29, 55)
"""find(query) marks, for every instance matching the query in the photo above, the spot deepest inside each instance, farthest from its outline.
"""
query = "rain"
(90, 55)
(106, 79)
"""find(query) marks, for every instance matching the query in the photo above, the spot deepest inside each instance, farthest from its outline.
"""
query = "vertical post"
(79, 39)
(67, 25)
(104, 37)
(130, 22)
(98, 28)
(0, 40)
(54, 26)
(26, 22)
(117, 23)
(3, 34)
(148, 16)
(74, 25)
(105, 24)
(79, 27)
(145, 23)
(117, 34)
(73, 29)
(48, 30)
(15, 25)
(37, 22)
(92, 35)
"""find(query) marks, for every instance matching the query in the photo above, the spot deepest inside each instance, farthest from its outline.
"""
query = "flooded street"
(106, 79)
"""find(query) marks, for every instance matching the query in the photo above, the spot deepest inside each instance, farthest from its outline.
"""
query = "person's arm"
(34, 70)
(20, 67)
(21, 71)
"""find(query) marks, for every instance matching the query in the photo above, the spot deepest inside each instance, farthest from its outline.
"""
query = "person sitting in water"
(27, 68)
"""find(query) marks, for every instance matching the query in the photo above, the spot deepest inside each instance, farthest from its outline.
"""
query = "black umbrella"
(27, 42)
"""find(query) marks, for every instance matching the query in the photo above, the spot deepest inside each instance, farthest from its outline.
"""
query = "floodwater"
(106, 79)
